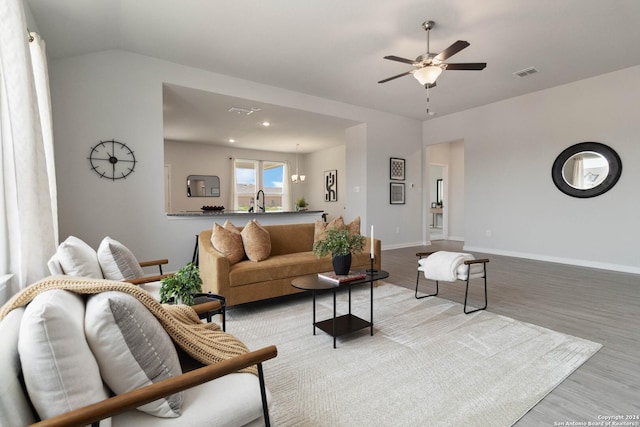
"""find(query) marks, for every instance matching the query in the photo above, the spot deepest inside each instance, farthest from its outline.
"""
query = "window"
(255, 175)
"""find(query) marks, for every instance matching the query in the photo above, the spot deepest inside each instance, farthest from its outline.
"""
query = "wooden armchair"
(213, 395)
(116, 405)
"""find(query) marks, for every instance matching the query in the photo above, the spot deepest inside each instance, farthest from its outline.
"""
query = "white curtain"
(232, 190)
(28, 211)
(286, 188)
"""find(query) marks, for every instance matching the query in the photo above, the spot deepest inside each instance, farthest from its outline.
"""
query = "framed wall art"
(396, 193)
(331, 186)
(396, 169)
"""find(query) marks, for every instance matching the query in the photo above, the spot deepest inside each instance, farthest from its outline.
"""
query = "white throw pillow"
(132, 348)
(78, 259)
(60, 371)
(117, 261)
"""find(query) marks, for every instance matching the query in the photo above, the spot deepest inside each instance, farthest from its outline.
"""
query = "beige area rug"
(427, 364)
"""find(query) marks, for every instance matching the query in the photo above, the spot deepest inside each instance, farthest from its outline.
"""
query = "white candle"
(372, 256)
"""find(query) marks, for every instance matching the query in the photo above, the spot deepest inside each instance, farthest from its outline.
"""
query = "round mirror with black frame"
(587, 169)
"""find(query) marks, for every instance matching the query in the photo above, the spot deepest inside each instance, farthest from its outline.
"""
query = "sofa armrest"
(214, 267)
(131, 400)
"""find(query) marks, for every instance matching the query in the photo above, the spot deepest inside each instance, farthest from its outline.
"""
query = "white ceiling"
(334, 49)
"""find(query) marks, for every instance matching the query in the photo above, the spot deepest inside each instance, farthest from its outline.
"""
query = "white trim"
(402, 245)
(559, 260)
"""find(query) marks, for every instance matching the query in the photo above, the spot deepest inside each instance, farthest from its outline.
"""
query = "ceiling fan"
(429, 66)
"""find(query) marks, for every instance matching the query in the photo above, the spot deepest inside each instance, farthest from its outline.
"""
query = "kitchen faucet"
(258, 207)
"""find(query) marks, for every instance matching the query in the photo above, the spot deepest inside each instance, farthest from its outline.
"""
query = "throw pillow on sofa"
(117, 261)
(63, 374)
(321, 227)
(354, 226)
(132, 348)
(78, 259)
(228, 241)
(256, 240)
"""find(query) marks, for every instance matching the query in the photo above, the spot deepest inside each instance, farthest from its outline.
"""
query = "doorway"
(438, 221)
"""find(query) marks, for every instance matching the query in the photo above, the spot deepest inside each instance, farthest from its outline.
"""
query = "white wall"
(317, 163)
(116, 94)
(205, 159)
(510, 147)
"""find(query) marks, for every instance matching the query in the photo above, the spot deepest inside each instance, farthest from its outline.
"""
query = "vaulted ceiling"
(335, 49)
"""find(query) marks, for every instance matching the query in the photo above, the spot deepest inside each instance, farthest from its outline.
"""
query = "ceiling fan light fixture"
(427, 75)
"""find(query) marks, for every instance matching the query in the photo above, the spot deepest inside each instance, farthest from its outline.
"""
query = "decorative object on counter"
(212, 208)
(301, 204)
(112, 159)
(331, 186)
(340, 244)
(181, 286)
(396, 193)
(396, 169)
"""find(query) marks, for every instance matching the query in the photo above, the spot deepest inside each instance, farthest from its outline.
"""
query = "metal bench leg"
(466, 292)
(424, 296)
(263, 394)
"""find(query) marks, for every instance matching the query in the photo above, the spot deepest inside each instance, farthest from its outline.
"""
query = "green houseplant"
(182, 285)
(340, 244)
(301, 204)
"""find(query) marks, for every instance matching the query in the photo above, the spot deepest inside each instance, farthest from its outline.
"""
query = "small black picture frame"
(396, 193)
(396, 169)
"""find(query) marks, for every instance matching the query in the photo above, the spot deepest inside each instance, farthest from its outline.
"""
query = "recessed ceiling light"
(266, 124)
(231, 140)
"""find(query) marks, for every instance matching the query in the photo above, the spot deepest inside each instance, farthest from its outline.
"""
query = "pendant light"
(297, 178)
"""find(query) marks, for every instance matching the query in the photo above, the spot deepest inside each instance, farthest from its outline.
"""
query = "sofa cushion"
(228, 241)
(78, 259)
(61, 373)
(132, 348)
(256, 240)
(117, 261)
(278, 267)
(232, 400)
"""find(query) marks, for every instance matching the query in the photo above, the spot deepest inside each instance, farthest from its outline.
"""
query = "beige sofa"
(290, 257)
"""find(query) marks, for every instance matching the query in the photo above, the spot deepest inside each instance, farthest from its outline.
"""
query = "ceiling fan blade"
(397, 58)
(451, 50)
(395, 77)
(467, 66)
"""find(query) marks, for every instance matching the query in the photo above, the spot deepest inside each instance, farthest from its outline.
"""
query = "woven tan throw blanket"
(205, 342)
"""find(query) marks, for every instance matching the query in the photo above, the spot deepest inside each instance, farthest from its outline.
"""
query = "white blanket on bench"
(443, 265)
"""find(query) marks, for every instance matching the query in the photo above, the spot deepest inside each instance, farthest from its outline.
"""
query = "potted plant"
(340, 244)
(301, 204)
(182, 285)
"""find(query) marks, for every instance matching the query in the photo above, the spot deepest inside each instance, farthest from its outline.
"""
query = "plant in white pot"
(182, 285)
(301, 204)
(340, 244)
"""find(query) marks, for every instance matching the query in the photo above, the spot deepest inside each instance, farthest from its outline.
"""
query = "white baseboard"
(402, 245)
(559, 260)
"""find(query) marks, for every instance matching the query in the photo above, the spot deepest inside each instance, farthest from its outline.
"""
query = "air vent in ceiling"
(246, 111)
(526, 72)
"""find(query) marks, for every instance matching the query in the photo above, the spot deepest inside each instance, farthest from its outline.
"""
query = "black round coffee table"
(347, 323)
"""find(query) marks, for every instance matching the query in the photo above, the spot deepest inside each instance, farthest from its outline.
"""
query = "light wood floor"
(598, 305)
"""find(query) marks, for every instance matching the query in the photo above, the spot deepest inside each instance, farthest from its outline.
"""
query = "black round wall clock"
(112, 159)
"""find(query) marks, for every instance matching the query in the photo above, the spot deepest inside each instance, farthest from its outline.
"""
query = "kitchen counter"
(240, 218)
